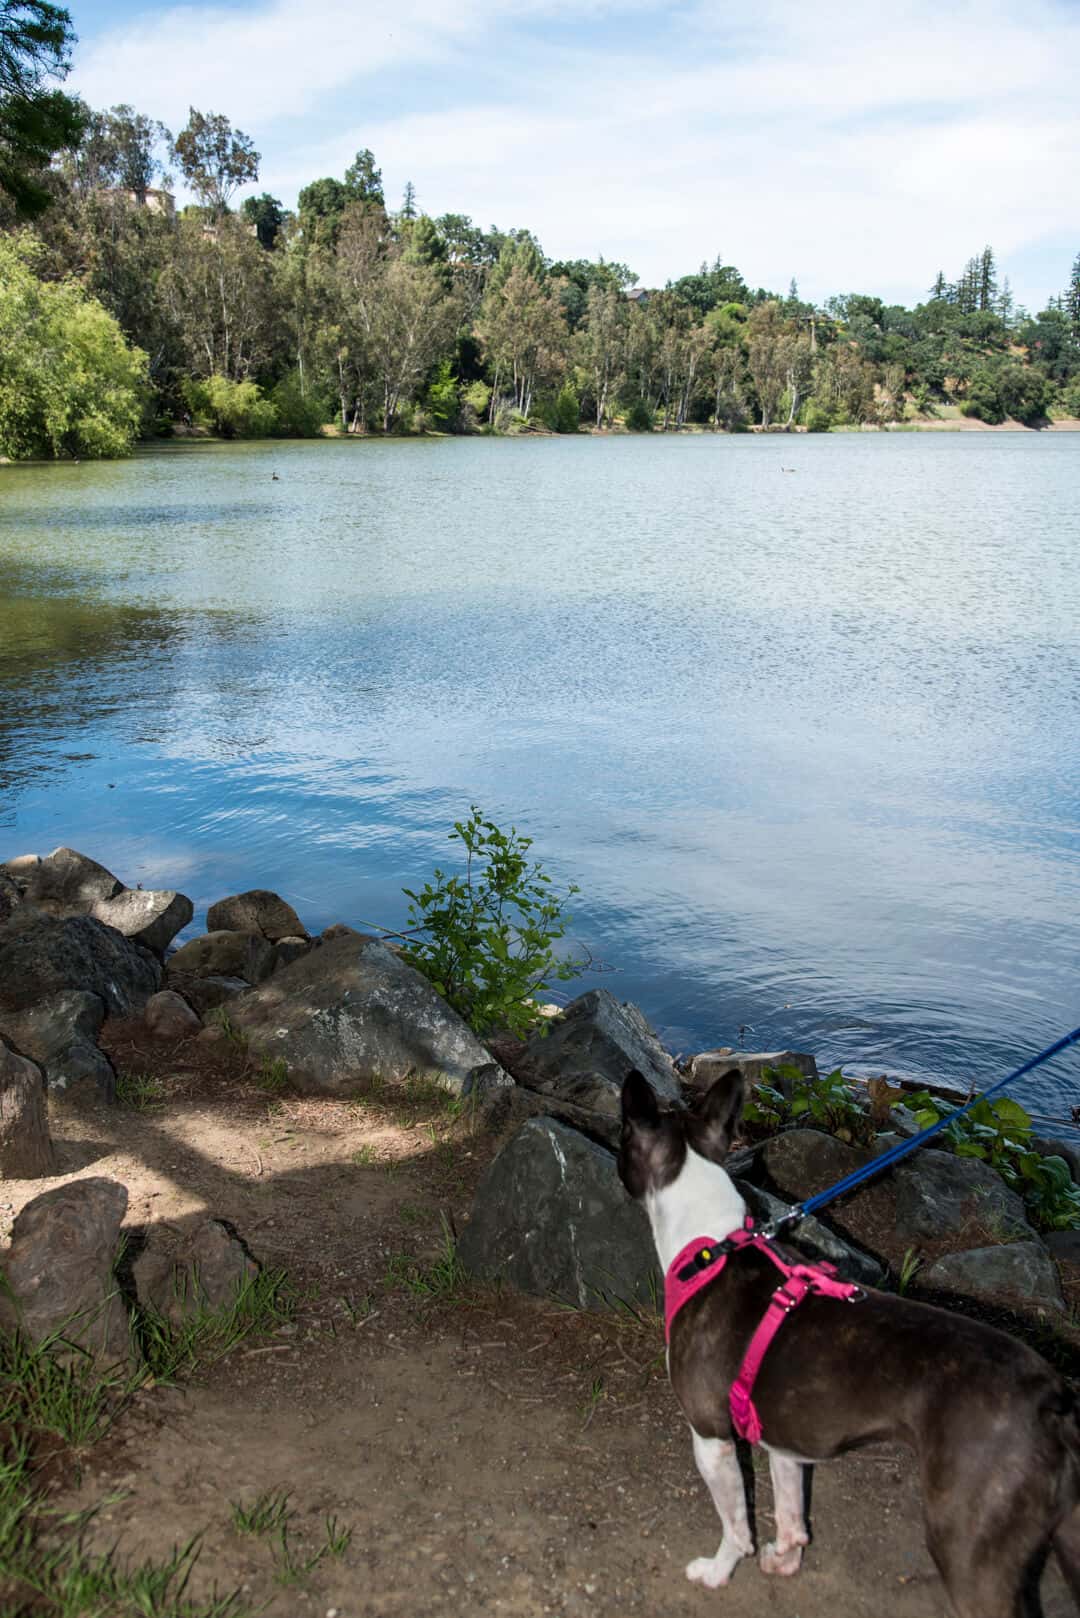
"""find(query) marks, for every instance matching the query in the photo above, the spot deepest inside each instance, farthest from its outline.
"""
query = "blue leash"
(803, 1209)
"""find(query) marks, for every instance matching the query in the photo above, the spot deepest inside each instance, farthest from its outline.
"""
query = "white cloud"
(853, 149)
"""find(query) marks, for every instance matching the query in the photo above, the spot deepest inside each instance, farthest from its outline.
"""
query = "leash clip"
(771, 1231)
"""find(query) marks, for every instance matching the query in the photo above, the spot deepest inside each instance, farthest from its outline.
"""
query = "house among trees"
(638, 295)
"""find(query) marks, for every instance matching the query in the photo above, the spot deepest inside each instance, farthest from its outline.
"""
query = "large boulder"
(1017, 1273)
(67, 883)
(151, 917)
(801, 1162)
(223, 954)
(26, 1149)
(257, 911)
(352, 1011)
(64, 882)
(204, 1271)
(42, 955)
(585, 1054)
(552, 1218)
(60, 1033)
(939, 1195)
(504, 1109)
(702, 1069)
(59, 1270)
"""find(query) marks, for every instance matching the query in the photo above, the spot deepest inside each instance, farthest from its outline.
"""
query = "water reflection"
(808, 745)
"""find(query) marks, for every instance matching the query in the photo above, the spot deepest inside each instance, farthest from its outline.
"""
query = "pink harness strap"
(701, 1261)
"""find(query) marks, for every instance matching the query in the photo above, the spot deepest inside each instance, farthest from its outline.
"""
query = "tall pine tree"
(1070, 298)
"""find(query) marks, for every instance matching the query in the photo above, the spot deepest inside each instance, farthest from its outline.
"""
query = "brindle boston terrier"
(995, 1429)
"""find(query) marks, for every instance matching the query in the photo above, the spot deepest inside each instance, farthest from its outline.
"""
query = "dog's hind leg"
(1067, 1550)
(783, 1555)
(719, 1467)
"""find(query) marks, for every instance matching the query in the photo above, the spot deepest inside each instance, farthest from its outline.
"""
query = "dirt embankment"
(489, 1453)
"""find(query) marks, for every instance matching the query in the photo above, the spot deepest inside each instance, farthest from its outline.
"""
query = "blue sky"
(855, 147)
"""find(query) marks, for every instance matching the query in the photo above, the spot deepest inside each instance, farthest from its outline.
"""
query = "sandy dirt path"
(489, 1453)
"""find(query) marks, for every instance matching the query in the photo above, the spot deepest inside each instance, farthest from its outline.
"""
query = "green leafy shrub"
(300, 413)
(564, 414)
(442, 396)
(816, 419)
(232, 409)
(485, 938)
(70, 383)
(639, 418)
(829, 1103)
(999, 1133)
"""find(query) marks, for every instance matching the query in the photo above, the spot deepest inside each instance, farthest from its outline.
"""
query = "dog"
(995, 1429)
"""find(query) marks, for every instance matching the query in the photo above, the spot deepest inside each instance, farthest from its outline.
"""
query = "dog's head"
(654, 1139)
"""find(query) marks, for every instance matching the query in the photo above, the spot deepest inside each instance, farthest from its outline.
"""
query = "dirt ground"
(490, 1453)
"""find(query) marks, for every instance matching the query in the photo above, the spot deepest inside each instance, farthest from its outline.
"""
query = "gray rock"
(508, 1106)
(74, 1071)
(350, 1011)
(41, 1030)
(1063, 1245)
(813, 1239)
(60, 1034)
(66, 882)
(288, 950)
(1018, 1273)
(552, 1218)
(706, 1066)
(59, 1269)
(223, 954)
(204, 1271)
(41, 955)
(257, 911)
(801, 1162)
(168, 1016)
(206, 994)
(340, 929)
(938, 1195)
(601, 1039)
(26, 1149)
(146, 916)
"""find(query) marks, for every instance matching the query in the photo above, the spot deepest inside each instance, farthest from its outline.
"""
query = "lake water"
(800, 716)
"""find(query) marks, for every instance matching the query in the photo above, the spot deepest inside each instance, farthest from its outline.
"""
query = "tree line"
(348, 313)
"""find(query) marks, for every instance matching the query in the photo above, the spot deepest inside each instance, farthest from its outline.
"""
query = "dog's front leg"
(719, 1467)
(784, 1554)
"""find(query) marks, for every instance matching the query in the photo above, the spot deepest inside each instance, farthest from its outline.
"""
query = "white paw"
(782, 1563)
(712, 1571)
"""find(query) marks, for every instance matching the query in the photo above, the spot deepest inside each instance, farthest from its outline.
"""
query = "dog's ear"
(716, 1116)
(639, 1105)
(652, 1146)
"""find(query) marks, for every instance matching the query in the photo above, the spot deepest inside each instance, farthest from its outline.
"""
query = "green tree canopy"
(36, 120)
(69, 382)
(215, 159)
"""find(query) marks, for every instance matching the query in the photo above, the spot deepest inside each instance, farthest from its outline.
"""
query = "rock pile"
(334, 1011)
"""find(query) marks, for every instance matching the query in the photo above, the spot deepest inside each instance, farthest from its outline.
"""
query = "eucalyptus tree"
(523, 332)
(215, 159)
(219, 291)
(601, 347)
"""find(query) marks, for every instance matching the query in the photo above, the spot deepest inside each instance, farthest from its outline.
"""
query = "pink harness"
(701, 1261)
